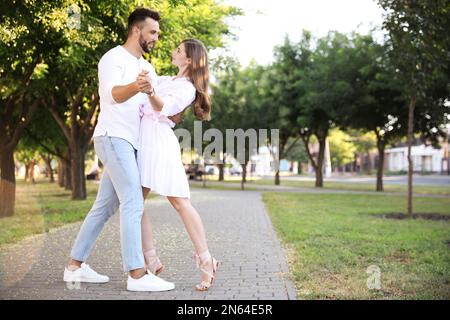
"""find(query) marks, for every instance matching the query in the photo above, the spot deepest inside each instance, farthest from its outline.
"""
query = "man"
(116, 140)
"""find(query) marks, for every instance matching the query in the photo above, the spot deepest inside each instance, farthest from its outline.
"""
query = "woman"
(159, 156)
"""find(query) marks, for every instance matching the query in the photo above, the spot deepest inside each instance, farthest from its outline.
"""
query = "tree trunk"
(277, 177)
(412, 105)
(319, 178)
(369, 163)
(27, 171)
(61, 171)
(78, 177)
(67, 175)
(7, 183)
(380, 146)
(48, 164)
(204, 177)
(244, 175)
(9, 139)
(31, 174)
(320, 158)
(221, 166)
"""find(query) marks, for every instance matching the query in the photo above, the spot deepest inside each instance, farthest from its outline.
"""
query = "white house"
(262, 161)
(425, 159)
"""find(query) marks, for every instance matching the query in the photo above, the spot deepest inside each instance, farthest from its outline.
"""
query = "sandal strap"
(207, 272)
(204, 285)
(153, 263)
(199, 263)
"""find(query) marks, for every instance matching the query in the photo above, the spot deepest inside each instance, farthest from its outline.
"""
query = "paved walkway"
(238, 230)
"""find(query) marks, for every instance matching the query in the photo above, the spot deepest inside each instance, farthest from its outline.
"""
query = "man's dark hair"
(139, 15)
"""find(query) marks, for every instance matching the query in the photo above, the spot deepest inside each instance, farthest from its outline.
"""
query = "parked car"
(194, 171)
(236, 170)
(211, 169)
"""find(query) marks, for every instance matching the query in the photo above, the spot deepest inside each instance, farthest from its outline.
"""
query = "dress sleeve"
(110, 72)
(177, 99)
(158, 80)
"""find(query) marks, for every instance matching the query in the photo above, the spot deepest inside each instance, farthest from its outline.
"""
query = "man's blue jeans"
(120, 188)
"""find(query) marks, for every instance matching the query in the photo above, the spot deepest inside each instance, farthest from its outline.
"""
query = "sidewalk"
(238, 230)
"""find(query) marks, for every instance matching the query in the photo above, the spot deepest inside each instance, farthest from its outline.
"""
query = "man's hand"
(177, 118)
(143, 82)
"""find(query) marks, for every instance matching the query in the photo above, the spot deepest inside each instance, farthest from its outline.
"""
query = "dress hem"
(166, 195)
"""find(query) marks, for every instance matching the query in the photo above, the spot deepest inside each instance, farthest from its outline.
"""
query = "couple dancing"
(140, 152)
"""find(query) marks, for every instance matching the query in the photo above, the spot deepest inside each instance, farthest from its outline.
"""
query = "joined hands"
(145, 86)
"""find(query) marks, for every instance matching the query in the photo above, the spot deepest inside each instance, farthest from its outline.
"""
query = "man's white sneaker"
(149, 282)
(84, 274)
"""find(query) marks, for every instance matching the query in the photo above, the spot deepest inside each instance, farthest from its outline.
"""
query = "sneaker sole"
(85, 280)
(148, 290)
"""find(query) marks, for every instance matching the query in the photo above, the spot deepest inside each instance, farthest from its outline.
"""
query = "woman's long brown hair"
(198, 72)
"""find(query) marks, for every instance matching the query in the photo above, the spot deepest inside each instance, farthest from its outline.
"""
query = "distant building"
(314, 149)
(262, 162)
(425, 159)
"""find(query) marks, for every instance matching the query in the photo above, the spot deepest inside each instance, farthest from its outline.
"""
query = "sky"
(266, 22)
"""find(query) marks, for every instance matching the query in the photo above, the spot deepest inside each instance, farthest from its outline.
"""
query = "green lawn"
(332, 239)
(350, 186)
(42, 206)
(252, 183)
(442, 190)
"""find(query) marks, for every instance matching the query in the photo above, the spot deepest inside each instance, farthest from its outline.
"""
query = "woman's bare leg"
(146, 227)
(194, 227)
(148, 247)
(192, 222)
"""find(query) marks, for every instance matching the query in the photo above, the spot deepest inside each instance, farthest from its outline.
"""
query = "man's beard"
(145, 45)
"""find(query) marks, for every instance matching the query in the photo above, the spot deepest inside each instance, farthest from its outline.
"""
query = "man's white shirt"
(119, 67)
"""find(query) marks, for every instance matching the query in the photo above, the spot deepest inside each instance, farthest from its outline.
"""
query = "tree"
(250, 102)
(364, 143)
(28, 156)
(238, 94)
(44, 135)
(297, 152)
(377, 102)
(30, 37)
(326, 90)
(201, 19)
(342, 149)
(283, 93)
(420, 41)
(223, 98)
